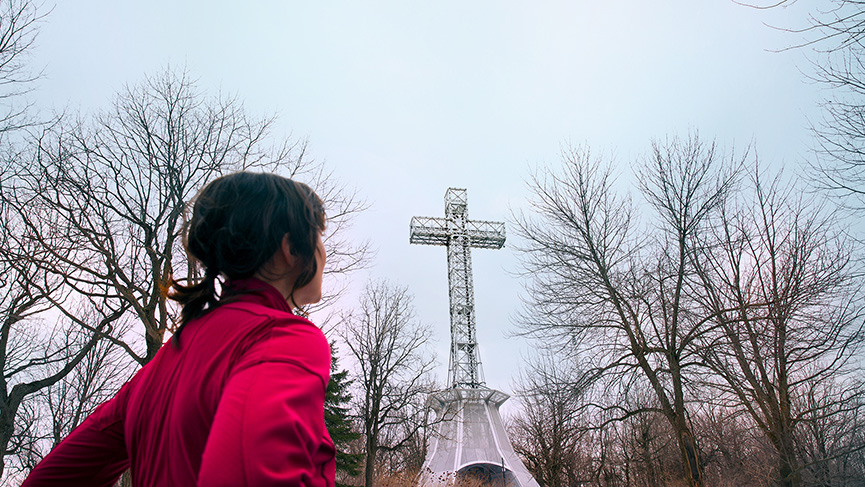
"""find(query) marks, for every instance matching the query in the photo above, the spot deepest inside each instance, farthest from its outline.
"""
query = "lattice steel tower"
(470, 438)
(459, 235)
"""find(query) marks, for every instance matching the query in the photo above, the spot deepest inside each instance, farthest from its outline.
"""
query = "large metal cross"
(459, 235)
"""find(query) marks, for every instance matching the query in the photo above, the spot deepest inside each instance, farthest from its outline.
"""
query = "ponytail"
(194, 299)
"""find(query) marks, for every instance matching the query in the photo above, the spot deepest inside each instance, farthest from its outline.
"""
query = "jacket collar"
(253, 290)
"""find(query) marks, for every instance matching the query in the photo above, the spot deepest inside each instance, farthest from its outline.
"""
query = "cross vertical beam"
(459, 235)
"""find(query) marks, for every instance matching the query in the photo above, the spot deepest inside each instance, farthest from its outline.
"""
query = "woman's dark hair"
(238, 223)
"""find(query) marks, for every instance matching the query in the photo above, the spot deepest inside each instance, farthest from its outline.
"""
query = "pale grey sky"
(405, 99)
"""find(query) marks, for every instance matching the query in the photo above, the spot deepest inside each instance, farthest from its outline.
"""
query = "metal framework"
(470, 438)
(459, 235)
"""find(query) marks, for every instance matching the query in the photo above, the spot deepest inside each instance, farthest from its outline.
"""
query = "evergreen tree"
(336, 418)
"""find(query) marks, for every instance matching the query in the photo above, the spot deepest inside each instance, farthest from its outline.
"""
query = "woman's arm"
(93, 455)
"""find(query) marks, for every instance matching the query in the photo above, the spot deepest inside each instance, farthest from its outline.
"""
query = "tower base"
(470, 440)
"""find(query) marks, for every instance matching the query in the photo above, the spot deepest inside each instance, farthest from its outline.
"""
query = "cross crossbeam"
(459, 234)
(435, 231)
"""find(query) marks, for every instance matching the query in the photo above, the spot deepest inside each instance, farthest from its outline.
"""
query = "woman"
(237, 397)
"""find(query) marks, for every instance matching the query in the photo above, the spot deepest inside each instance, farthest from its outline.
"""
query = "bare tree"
(549, 430)
(36, 350)
(616, 297)
(839, 165)
(18, 22)
(831, 439)
(96, 379)
(834, 31)
(388, 344)
(34, 355)
(735, 451)
(779, 283)
(120, 185)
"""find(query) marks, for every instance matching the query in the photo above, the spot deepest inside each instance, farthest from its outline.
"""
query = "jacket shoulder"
(284, 337)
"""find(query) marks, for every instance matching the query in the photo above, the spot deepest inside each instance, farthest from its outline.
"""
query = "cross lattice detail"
(459, 234)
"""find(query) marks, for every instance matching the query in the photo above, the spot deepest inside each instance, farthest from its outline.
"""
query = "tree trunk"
(788, 472)
(153, 340)
(371, 450)
(7, 425)
(690, 457)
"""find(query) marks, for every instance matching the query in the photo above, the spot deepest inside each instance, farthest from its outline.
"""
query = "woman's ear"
(285, 248)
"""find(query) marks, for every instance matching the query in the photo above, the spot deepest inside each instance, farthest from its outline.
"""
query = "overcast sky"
(405, 99)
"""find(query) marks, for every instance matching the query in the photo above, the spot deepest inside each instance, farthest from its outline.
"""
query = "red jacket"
(240, 402)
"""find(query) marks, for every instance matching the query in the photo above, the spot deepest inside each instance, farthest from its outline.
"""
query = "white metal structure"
(470, 438)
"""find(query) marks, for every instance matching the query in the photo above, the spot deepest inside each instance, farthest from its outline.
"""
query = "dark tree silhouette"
(618, 294)
(388, 343)
(338, 420)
